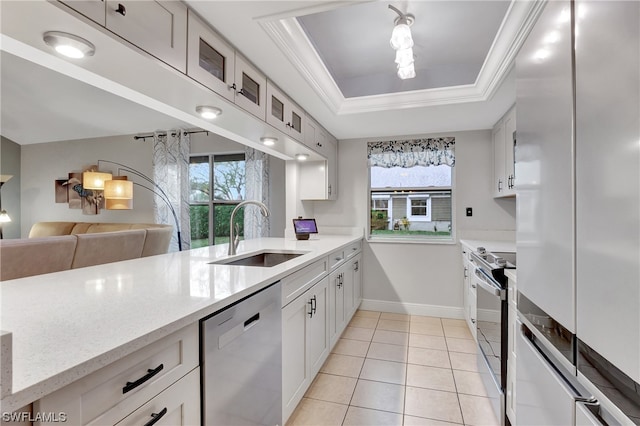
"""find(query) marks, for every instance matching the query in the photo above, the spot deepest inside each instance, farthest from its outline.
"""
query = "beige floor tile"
(457, 332)
(384, 371)
(343, 365)
(421, 376)
(387, 352)
(395, 317)
(311, 412)
(357, 333)
(425, 320)
(462, 361)
(468, 346)
(392, 325)
(357, 416)
(421, 421)
(426, 328)
(363, 322)
(327, 387)
(427, 342)
(469, 383)
(454, 322)
(477, 411)
(432, 404)
(430, 357)
(391, 337)
(351, 347)
(367, 314)
(378, 396)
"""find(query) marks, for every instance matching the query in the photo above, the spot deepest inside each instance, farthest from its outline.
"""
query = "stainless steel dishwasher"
(241, 350)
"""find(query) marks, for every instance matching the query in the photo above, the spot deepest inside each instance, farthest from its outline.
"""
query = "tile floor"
(394, 369)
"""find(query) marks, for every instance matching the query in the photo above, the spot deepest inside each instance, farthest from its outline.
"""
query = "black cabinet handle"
(311, 311)
(156, 417)
(121, 9)
(232, 87)
(150, 373)
(319, 144)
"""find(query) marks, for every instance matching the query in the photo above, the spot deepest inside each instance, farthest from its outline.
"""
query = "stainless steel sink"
(264, 259)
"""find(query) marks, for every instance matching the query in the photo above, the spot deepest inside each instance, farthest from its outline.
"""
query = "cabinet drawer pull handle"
(121, 9)
(156, 417)
(473, 320)
(150, 373)
(314, 302)
(310, 313)
(338, 259)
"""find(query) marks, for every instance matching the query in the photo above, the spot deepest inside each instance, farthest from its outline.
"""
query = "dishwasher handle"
(252, 321)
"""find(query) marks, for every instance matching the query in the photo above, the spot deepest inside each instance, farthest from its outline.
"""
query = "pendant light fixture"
(402, 43)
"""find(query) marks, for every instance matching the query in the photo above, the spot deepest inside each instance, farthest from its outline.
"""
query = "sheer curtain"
(171, 173)
(257, 188)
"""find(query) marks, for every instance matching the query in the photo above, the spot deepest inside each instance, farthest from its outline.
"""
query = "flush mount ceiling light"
(302, 157)
(402, 43)
(208, 112)
(69, 45)
(268, 140)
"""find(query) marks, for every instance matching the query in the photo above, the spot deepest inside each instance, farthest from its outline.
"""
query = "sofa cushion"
(49, 229)
(107, 247)
(107, 227)
(157, 241)
(34, 256)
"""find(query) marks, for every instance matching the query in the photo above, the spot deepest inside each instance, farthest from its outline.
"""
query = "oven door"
(491, 327)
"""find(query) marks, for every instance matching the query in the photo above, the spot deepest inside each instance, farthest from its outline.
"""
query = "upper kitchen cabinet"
(504, 143)
(321, 177)
(215, 63)
(284, 114)
(92, 9)
(157, 27)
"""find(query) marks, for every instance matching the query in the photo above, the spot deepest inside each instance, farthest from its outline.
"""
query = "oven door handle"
(485, 282)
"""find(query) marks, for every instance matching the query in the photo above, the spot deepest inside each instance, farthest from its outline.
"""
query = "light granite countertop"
(508, 246)
(69, 324)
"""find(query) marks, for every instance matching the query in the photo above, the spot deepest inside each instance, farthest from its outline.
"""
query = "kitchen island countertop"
(66, 325)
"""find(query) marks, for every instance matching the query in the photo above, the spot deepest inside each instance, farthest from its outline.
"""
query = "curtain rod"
(144, 137)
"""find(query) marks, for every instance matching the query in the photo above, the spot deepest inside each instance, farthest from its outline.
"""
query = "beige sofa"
(58, 246)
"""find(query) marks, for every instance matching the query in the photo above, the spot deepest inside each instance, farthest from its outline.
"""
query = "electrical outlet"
(469, 211)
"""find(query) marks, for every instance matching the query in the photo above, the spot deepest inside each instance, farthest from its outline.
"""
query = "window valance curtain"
(410, 153)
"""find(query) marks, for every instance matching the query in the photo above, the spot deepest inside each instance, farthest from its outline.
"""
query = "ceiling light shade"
(208, 112)
(95, 180)
(302, 157)
(401, 37)
(406, 72)
(4, 216)
(268, 141)
(404, 57)
(69, 45)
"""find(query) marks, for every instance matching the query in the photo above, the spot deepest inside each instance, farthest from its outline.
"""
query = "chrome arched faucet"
(234, 238)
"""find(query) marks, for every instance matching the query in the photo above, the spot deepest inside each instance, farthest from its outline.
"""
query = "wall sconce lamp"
(118, 192)
(208, 112)
(69, 45)
(402, 43)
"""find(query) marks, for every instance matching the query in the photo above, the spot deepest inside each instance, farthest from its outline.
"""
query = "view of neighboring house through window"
(217, 185)
(411, 189)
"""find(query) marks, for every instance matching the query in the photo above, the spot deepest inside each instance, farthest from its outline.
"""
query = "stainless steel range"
(490, 283)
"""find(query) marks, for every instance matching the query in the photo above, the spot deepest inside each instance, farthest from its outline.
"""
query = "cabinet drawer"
(336, 259)
(157, 27)
(298, 282)
(353, 249)
(109, 393)
(177, 405)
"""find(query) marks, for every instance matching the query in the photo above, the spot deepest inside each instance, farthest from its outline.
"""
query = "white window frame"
(419, 218)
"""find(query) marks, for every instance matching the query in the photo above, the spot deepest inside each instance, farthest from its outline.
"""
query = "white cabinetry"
(157, 27)
(92, 9)
(319, 179)
(344, 276)
(504, 141)
(114, 392)
(305, 343)
(284, 114)
(512, 333)
(469, 290)
(214, 63)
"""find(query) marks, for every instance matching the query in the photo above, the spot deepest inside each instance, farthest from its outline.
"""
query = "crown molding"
(291, 39)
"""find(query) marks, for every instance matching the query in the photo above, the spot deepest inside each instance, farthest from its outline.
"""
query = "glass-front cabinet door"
(210, 60)
(251, 88)
(284, 114)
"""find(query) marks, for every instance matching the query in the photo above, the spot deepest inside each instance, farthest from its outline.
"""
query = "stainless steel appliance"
(241, 362)
(491, 325)
(578, 215)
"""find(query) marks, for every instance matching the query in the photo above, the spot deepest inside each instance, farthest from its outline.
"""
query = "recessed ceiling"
(451, 42)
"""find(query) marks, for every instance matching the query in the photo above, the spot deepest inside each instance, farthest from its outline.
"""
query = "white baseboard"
(412, 309)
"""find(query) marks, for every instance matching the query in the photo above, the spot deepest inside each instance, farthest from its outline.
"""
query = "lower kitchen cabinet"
(511, 357)
(113, 393)
(305, 343)
(468, 290)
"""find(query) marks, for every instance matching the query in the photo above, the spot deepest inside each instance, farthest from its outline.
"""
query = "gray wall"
(10, 165)
(413, 273)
